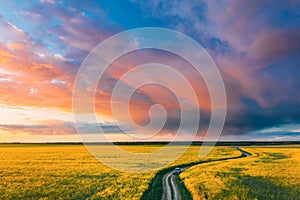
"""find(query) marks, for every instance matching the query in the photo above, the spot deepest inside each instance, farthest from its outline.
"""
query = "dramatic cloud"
(256, 45)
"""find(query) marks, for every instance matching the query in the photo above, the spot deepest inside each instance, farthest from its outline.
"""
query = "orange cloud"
(5, 56)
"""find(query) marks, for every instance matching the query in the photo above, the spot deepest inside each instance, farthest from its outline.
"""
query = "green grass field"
(271, 173)
(70, 172)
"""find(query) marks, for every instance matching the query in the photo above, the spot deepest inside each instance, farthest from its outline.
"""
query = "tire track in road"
(176, 192)
(167, 188)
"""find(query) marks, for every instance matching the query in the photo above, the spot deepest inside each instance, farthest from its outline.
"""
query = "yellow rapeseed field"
(70, 172)
(271, 173)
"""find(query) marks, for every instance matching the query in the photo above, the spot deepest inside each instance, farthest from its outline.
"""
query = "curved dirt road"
(170, 188)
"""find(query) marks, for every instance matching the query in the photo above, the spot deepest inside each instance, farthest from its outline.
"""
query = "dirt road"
(170, 188)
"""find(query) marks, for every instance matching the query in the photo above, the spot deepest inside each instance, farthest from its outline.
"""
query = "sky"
(255, 45)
